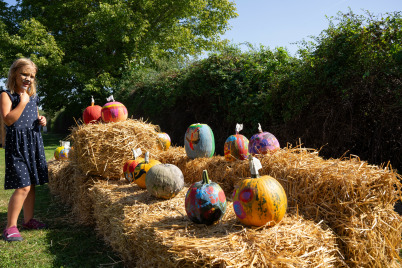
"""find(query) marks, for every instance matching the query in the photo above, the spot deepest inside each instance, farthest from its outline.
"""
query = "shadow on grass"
(71, 244)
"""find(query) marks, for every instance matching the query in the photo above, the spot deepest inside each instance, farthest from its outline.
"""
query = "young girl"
(24, 152)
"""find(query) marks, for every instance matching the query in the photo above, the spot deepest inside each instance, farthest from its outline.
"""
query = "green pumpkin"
(164, 181)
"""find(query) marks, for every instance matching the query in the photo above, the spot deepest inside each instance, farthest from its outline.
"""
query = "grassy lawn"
(64, 244)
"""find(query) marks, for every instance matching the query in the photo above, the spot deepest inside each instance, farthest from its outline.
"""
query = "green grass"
(64, 244)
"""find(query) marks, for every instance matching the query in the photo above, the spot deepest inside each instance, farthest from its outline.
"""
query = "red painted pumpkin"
(92, 114)
(236, 146)
(140, 171)
(259, 200)
(114, 111)
(205, 201)
(130, 165)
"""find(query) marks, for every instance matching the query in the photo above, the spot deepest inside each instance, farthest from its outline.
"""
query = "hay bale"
(102, 149)
(338, 191)
(139, 226)
(67, 182)
(350, 196)
(61, 180)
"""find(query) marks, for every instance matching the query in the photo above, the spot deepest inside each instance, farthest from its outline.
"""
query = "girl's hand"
(42, 120)
(24, 98)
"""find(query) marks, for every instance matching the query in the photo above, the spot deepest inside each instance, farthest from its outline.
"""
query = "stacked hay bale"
(72, 187)
(343, 198)
(144, 226)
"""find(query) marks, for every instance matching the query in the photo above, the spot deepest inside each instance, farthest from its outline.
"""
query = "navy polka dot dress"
(25, 155)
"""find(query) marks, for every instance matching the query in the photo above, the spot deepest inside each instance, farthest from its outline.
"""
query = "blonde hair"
(12, 75)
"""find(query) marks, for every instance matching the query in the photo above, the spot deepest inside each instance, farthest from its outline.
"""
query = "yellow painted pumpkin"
(57, 152)
(164, 141)
(259, 200)
(142, 168)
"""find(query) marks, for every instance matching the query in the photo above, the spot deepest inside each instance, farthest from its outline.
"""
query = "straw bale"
(67, 182)
(149, 232)
(353, 198)
(348, 195)
(102, 149)
(61, 180)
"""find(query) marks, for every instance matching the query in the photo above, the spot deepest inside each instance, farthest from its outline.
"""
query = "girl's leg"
(15, 205)
(29, 204)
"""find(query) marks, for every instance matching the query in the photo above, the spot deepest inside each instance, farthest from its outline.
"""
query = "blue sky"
(282, 23)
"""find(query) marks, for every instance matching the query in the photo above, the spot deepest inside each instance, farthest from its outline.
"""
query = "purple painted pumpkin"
(205, 201)
(262, 143)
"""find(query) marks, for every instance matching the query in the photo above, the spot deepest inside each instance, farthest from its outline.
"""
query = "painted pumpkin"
(114, 111)
(57, 152)
(92, 114)
(163, 141)
(64, 153)
(140, 171)
(164, 181)
(205, 201)
(259, 200)
(130, 165)
(199, 141)
(263, 142)
(236, 146)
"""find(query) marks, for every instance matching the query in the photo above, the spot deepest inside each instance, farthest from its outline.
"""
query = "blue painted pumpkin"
(199, 141)
(205, 201)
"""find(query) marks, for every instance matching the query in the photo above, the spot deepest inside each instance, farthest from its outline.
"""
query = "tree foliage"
(96, 41)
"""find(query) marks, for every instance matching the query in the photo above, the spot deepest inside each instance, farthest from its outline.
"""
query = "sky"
(284, 23)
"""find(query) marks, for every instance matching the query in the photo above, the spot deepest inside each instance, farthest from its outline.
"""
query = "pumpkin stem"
(259, 128)
(239, 127)
(110, 98)
(205, 178)
(255, 165)
(136, 153)
(146, 157)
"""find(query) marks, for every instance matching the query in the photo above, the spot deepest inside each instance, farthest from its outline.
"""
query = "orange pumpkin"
(259, 200)
(92, 114)
(142, 168)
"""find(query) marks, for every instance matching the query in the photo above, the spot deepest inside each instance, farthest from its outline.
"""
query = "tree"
(98, 40)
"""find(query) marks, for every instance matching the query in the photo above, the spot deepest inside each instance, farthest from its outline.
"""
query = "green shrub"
(343, 92)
